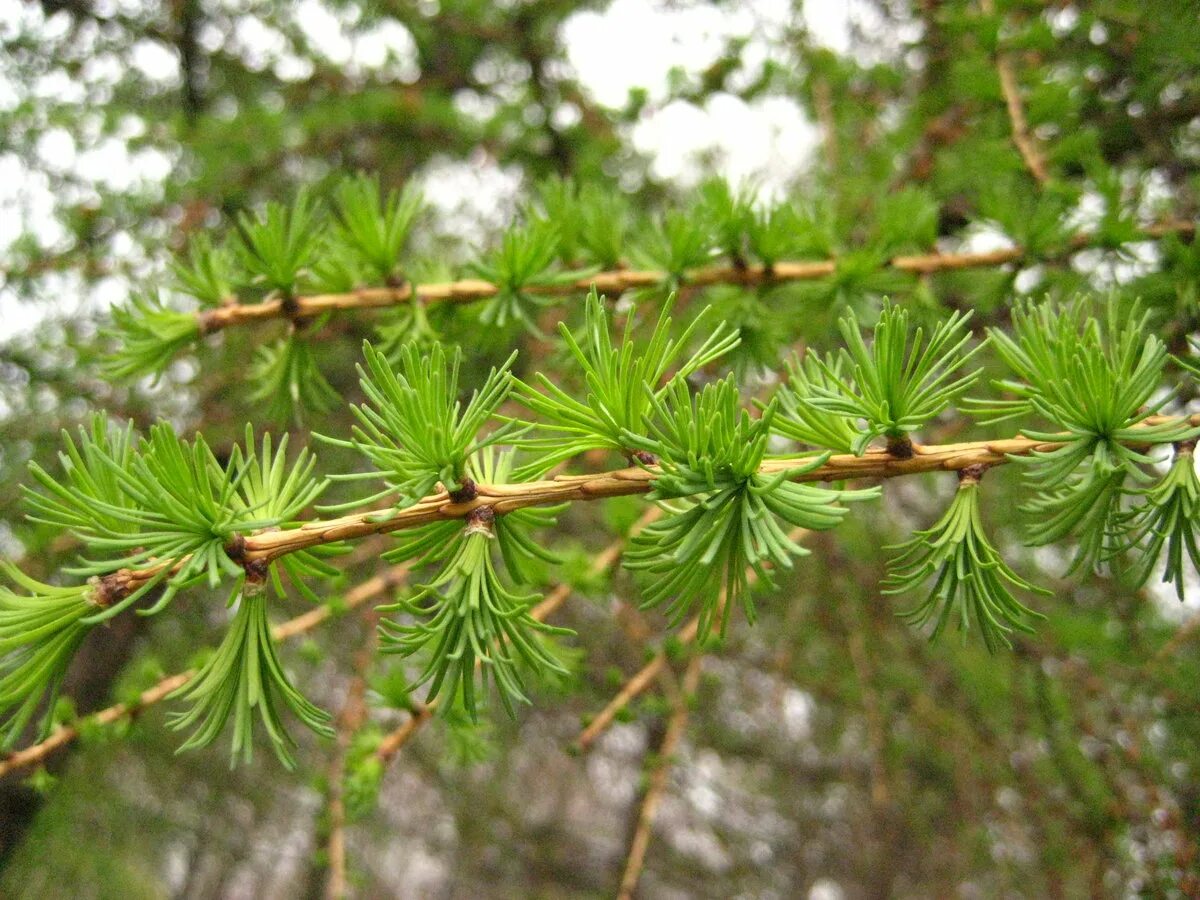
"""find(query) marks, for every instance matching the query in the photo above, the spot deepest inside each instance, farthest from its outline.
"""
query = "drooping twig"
(646, 675)
(659, 777)
(67, 734)
(601, 562)
(1187, 631)
(876, 728)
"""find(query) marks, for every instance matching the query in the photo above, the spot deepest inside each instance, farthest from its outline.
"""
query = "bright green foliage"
(525, 260)
(242, 676)
(185, 504)
(733, 519)
(271, 488)
(675, 242)
(338, 269)
(468, 740)
(280, 244)
(377, 230)
(522, 552)
(900, 383)
(87, 497)
(410, 323)
(1091, 379)
(288, 381)
(207, 274)
(414, 429)
(731, 215)
(472, 620)
(1037, 223)
(364, 773)
(1168, 517)
(593, 222)
(800, 420)
(166, 504)
(781, 232)
(622, 383)
(760, 322)
(469, 622)
(905, 221)
(39, 633)
(969, 586)
(148, 334)
(1097, 383)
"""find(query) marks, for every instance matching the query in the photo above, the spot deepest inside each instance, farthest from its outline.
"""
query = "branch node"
(206, 321)
(642, 458)
(467, 492)
(108, 589)
(256, 569)
(900, 446)
(289, 305)
(235, 548)
(480, 521)
(972, 474)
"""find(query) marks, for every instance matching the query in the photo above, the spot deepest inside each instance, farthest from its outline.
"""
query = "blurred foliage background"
(831, 750)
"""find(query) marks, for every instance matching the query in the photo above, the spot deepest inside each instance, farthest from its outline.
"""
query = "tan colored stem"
(617, 282)
(67, 734)
(657, 788)
(1022, 137)
(393, 741)
(505, 498)
(1187, 631)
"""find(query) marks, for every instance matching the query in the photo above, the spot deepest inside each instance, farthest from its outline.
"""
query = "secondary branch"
(618, 281)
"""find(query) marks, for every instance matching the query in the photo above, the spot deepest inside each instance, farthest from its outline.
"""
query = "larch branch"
(67, 734)
(618, 281)
(270, 544)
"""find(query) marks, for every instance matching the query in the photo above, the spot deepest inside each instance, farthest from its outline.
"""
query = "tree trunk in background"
(89, 682)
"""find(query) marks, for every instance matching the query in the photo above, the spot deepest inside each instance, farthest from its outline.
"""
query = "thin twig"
(876, 729)
(350, 719)
(659, 778)
(1026, 143)
(1187, 631)
(823, 103)
(67, 734)
(616, 282)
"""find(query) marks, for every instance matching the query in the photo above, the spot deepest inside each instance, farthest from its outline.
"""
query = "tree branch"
(351, 718)
(236, 313)
(265, 546)
(67, 734)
